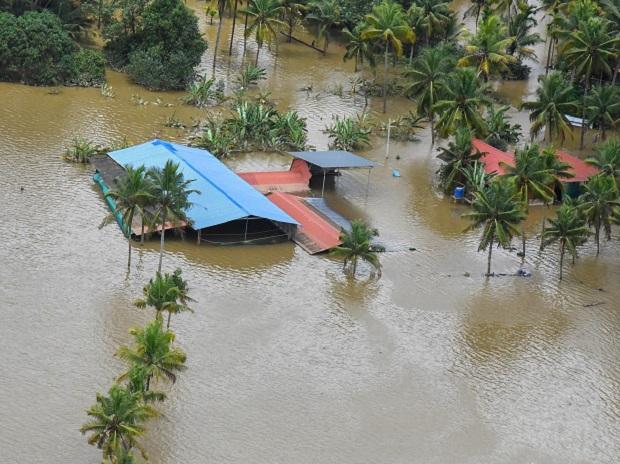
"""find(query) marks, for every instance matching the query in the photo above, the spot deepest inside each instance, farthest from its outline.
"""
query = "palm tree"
(357, 48)
(132, 194)
(221, 6)
(153, 352)
(603, 107)
(589, 50)
(607, 158)
(519, 30)
(356, 245)
(171, 191)
(498, 209)
(120, 456)
(598, 202)
(388, 23)
(430, 17)
(426, 80)
(486, 50)
(555, 99)
(477, 7)
(117, 421)
(457, 156)
(531, 178)
(326, 14)
(461, 102)
(292, 10)
(265, 22)
(232, 31)
(476, 177)
(167, 292)
(568, 229)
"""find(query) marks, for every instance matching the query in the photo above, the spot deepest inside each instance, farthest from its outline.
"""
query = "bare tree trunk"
(142, 231)
(232, 34)
(161, 242)
(129, 254)
(257, 52)
(245, 29)
(385, 73)
(561, 258)
(168, 324)
(522, 244)
(489, 258)
(217, 38)
(583, 113)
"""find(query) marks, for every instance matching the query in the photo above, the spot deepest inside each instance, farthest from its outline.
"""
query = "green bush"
(88, 68)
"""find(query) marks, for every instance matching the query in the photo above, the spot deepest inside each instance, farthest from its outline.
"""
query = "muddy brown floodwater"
(290, 361)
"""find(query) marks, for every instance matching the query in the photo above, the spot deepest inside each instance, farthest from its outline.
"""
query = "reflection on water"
(290, 360)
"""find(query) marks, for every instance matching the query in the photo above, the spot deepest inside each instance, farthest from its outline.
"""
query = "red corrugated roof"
(492, 157)
(296, 179)
(314, 233)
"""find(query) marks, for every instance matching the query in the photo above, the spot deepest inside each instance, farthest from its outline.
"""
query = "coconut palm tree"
(326, 14)
(220, 5)
(431, 17)
(603, 107)
(458, 155)
(292, 11)
(232, 31)
(120, 456)
(387, 23)
(590, 50)
(486, 50)
(569, 229)
(519, 28)
(426, 79)
(498, 209)
(131, 194)
(166, 292)
(356, 245)
(461, 102)
(357, 48)
(500, 133)
(171, 194)
(477, 7)
(264, 22)
(598, 202)
(607, 158)
(117, 421)
(153, 352)
(555, 99)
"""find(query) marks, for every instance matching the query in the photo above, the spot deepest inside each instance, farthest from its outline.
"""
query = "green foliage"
(88, 68)
(200, 92)
(347, 134)
(81, 151)
(430, 19)
(607, 158)
(598, 202)
(356, 245)
(603, 107)
(458, 155)
(500, 133)
(166, 292)
(250, 75)
(264, 22)
(530, 174)
(475, 177)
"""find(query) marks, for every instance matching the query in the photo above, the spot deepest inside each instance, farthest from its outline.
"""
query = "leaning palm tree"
(461, 102)
(357, 48)
(264, 22)
(117, 421)
(426, 79)
(569, 229)
(153, 352)
(603, 108)
(458, 155)
(598, 202)
(131, 194)
(498, 209)
(171, 194)
(326, 14)
(166, 292)
(607, 158)
(591, 50)
(555, 100)
(387, 23)
(486, 50)
(356, 245)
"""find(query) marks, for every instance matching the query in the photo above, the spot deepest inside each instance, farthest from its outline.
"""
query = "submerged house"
(226, 208)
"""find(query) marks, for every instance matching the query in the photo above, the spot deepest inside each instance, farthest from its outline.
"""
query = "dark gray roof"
(333, 159)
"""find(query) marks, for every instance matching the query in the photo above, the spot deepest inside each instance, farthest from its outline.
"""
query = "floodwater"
(289, 360)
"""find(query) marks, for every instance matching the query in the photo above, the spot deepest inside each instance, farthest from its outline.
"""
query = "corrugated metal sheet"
(296, 179)
(333, 159)
(223, 196)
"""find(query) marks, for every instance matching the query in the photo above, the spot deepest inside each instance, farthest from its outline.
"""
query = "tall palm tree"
(486, 50)
(589, 50)
(431, 17)
(607, 158)
(326, 14)
(387, 23)
(264, 22)
(220, 6)
(292, 11)
(153, 352)
(117, 421)
(458, 155)
(132, 194)
(356, 245)
(598, 202)
(555, 99)
(357, 48)
(166, 292)
(603, 108)
(477, 7)
(232, 31)
(171, 191)
(426, 79)
(568, 229)
(519, 28)
(498, 209)
(461, 102)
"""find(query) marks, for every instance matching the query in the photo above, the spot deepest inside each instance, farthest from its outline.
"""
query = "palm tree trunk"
(354, 265)
(232, 34)
(217, 38)
(385, 72)
(290, 29)
(597, 236)
(257, 52)
(161, 242)
(245, 29)
(542, 233)
(561, 258)
(489, 258)
(522, 244)
(616, 68)
(410, 54)
(583, 113)
(326, 43)
(129, 254)
(169, 315)
(142, 229)
(432, 118)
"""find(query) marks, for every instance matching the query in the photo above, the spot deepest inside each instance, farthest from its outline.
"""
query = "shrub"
(88, 68)
(347, 134)
(81, 151)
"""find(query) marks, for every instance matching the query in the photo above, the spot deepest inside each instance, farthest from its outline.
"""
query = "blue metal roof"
(223, 197)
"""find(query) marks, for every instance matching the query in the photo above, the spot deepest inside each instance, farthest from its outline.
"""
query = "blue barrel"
(459, 193)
